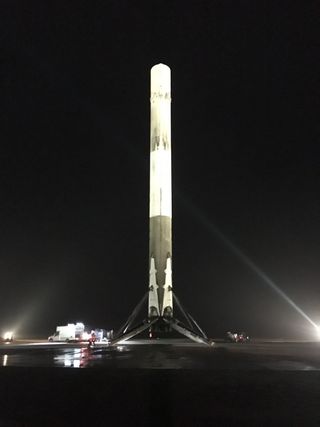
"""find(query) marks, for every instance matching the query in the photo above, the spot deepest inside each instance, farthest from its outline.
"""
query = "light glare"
(249, 263)
(8, 336)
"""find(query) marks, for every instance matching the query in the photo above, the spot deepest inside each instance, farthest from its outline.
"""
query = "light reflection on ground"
(178, 354)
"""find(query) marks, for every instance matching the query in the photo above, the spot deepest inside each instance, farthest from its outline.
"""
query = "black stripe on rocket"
(160, 266)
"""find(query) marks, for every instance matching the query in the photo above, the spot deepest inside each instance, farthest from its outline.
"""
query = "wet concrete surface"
(166, 354)
(177, 384)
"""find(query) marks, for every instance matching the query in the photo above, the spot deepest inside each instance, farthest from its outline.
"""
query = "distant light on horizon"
(8, 336)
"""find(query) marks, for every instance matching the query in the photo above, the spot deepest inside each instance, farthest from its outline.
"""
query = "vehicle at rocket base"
(160, 212)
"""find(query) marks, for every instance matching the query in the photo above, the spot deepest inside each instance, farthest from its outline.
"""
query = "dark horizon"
(75, 162)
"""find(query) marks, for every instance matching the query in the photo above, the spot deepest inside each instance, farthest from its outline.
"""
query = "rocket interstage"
(160, 212)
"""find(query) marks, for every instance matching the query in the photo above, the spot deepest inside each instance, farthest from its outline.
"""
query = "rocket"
(160, 204)
(160, 294)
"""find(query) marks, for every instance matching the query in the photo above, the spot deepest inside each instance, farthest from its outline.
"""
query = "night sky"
(74, 175)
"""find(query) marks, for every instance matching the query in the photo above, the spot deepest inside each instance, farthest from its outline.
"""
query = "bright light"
(8, 336)
(86, 336)
(318, 331)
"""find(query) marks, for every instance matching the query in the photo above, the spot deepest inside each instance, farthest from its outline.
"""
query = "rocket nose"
(160, 78)
(160, 66)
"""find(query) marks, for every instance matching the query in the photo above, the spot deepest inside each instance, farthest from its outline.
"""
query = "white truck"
(70, 332)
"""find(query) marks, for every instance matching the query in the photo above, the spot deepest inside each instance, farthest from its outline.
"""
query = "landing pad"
(167, 354)
(172, 383)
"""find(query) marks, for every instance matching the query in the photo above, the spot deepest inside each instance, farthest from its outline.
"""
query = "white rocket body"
(160, 213)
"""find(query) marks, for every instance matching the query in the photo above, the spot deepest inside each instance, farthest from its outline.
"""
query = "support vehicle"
(72, 332)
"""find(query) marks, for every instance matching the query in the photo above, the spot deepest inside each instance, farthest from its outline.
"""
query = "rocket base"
(161, 327)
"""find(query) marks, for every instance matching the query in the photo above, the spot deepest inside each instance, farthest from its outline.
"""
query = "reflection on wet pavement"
(5, 359)
(180, 355)
(70, 359)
